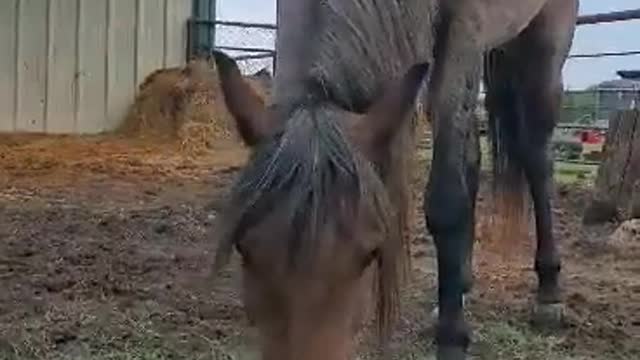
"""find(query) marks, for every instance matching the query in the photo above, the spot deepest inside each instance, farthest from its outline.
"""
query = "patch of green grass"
(575, 168)
(139, 347)
(500, 341)
(493, 340)
(95, 332)
(415, 352)
(571, 173)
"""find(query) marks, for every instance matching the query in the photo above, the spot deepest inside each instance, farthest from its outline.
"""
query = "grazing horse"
(323, 201)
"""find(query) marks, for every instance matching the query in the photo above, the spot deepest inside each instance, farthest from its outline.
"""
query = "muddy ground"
(104, 246)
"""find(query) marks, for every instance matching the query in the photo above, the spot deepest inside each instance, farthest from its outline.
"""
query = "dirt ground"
(104, 246)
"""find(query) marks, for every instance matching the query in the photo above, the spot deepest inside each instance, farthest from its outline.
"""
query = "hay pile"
(185, 105)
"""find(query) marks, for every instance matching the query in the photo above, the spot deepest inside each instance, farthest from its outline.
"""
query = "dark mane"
(361, 44)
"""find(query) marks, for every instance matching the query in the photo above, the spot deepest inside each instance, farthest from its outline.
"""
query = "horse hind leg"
(525, 121)
(525, 103)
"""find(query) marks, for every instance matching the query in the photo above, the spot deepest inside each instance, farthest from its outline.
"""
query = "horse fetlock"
(548, 273)
(548, 281)
(453, 333)
(550, 264)
(435, 313)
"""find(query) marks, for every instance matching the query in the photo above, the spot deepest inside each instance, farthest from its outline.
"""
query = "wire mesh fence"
(251, 44)
(596, 106)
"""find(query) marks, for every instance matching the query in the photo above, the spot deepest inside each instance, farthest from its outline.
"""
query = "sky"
(579, 73)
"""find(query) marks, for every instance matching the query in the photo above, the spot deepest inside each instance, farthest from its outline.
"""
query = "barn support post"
(275, 52)
(203, 35)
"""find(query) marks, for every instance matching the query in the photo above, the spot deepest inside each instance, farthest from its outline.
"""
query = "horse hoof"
(548, 315)
(451, 353)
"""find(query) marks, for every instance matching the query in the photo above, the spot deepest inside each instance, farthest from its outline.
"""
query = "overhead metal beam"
(609, 17)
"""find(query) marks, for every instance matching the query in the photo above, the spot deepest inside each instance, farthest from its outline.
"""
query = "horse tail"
(506, 133)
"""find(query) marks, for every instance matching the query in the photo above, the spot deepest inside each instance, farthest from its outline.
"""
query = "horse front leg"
(541, 52)
(450, 195)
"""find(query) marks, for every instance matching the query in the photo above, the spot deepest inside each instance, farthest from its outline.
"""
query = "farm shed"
(618, 94)
(73, 66)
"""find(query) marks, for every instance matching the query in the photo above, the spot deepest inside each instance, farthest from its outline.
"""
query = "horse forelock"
(303, 173)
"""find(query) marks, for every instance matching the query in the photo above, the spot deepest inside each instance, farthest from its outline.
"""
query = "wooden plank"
(92, 66)
(150, 50)
(634, 206)
(632, 171)
(32, 65)
(176, 16)
(61, 84)
(121, 60)
(8, 81)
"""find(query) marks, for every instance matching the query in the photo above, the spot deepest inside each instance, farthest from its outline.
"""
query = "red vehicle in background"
(592, 143)
(591, 137)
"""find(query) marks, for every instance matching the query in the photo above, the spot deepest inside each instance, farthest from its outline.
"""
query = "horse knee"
(447, 208)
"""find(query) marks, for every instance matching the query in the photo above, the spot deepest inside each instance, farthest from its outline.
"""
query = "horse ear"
(245, 105)
(386, 114)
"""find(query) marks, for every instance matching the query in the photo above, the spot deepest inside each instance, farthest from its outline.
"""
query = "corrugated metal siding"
(8, 71)
(73, 66)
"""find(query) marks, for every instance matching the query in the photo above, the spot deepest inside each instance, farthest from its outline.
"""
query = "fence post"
(274, 62)
(213, 17)
(203, 40)
(275, 40)
(191, 40)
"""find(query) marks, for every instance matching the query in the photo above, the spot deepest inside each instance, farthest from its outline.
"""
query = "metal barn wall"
(73, 66)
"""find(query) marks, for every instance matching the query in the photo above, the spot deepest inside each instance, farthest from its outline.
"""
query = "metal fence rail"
(253, 46)
(610, 17)
(235, 36)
